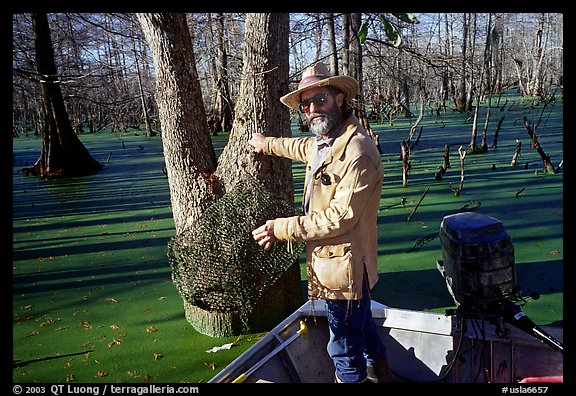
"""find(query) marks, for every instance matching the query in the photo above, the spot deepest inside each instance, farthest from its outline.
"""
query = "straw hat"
(318, 75)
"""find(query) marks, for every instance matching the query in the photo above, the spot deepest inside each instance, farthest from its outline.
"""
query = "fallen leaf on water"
(87, 325)
(158, 356)
(115, 341)
(112, 300)
(555, 252)
(101, 374)
(210, 365)
(150, 329)
(114, 327)
(33, 333)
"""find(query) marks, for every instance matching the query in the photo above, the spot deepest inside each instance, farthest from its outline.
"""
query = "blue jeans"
(354, 340)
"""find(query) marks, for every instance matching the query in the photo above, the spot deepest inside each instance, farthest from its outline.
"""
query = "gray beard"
(321, 128)
(324, 127)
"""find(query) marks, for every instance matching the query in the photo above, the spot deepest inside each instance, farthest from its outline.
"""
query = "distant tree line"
(443, 61)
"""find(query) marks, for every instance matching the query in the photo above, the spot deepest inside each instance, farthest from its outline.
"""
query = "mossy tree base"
(276, 303)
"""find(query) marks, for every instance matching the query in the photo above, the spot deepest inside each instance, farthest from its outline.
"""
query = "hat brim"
(348, 85)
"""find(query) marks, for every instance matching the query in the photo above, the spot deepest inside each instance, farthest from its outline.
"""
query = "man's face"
(322, 109)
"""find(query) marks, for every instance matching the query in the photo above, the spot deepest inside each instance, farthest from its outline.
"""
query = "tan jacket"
(340, 228)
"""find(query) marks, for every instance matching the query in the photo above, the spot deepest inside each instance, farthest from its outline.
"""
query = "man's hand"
(257, 140)
(264, 235)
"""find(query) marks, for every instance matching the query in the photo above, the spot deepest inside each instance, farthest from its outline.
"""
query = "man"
(341, 198)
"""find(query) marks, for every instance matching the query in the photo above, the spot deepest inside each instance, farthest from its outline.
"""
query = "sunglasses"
(318, 100)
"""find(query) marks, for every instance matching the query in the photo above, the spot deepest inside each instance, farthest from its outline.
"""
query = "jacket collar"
(348, 129)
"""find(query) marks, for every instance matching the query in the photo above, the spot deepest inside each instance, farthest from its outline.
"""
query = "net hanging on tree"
(217, 265)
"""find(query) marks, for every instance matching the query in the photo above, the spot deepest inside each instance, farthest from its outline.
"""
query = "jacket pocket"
(332, 266)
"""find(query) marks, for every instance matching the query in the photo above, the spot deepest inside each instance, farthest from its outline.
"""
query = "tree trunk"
(496, 42)
(534, 84)
(471, 79)
(473, 147)
(405, 155)
(345, 61)
(355, 70)
(195, 180)
(63, 154)
(548, 166)
(497, 132)
(222, 112)
(458, 190)
(484, 136)
(460, 99)
(188, 151)
(486, 77)
(418, 120)
(258, 108)
(332, 43)
(517, 151)
(445, 164)
(145, 115)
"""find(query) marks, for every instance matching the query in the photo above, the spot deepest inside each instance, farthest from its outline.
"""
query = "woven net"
(217, 265)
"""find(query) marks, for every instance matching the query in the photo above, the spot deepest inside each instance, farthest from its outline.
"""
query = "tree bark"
(188, 151)
(417, 205)
(484, 137)
(332, 43)
(405, 155)
(222, 111)
(445, 164)
(473, 147)
(258, 107)
(417, 122)
(548, 166)
(460, 100)
(497, 132)
(145, 115)
(517, 151)
(458, 190)
(486, 77)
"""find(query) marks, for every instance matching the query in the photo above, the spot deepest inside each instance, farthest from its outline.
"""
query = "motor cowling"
(477, 259)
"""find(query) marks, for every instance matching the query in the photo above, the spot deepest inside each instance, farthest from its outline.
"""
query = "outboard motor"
(478, 266)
